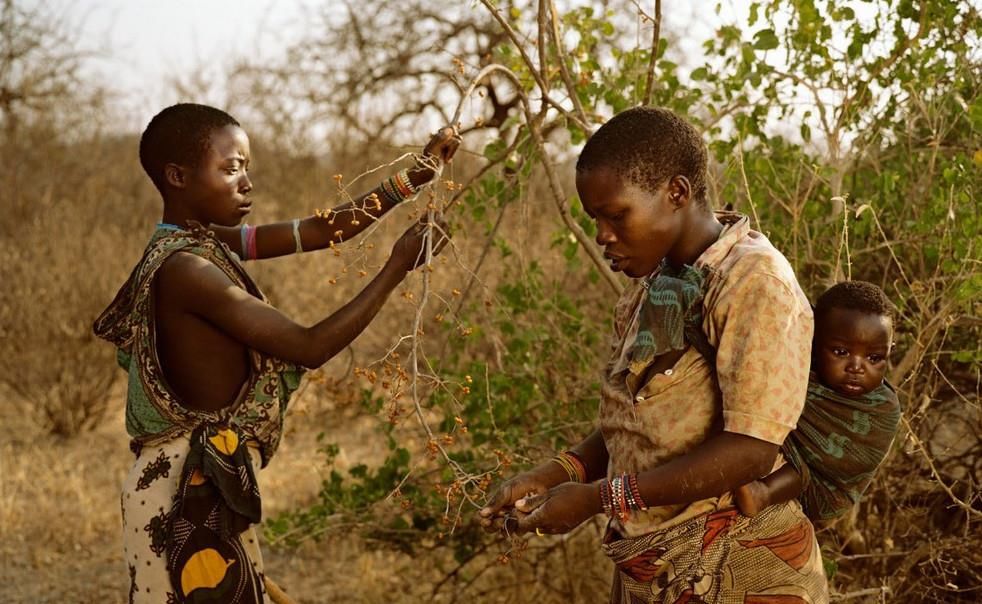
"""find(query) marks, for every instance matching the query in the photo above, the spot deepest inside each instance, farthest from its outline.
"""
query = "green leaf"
(766, 39)
(662, 47)
(806, 132)
(493, 149)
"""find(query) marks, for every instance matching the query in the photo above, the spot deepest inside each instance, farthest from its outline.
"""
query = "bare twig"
(557, 40)
(653, 59)
(862, 593)
(969, 510)
(543, 86)
(556, 188)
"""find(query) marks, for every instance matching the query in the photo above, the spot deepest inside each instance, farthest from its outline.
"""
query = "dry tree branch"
(746, 183)
(540, 18)
(969, 510)
(463, 479)
(558, 194)
(655, 40)
(862, 593)
(557, 41)
(544, 89)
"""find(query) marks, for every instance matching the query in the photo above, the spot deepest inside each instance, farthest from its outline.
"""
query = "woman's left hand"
(443, 145)
(560, 510)
(441, 148)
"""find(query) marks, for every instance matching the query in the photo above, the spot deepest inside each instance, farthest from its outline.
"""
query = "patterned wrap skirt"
(722, 557)
(227, 572)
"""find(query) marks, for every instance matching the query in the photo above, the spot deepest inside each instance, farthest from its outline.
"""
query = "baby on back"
(851, 413)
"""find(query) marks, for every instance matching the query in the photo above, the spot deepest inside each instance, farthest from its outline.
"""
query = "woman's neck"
(702, 232)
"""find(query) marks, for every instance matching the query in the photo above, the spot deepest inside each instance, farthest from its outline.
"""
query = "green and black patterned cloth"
(838, 444)
(670, 315)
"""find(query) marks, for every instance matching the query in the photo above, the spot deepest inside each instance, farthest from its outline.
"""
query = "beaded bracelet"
(577, 462)
(402, 183)
(605, 498)
(620, 496)
(637, 502)
(398, 188)
(390, 192)
(404, 175)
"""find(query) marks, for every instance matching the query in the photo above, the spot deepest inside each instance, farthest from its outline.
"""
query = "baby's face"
(851, 348)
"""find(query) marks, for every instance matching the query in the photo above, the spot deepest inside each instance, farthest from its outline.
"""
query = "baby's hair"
(179, 134)
(854, 295)
(646, 146)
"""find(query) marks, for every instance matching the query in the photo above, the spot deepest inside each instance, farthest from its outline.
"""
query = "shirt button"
(669, 371)
(639, 399)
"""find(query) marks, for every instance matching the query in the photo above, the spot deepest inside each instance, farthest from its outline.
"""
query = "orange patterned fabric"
(760, 322)
(722, 557)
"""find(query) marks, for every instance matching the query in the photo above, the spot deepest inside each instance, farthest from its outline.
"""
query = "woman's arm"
(720, 464)
(593, 452)
(341, 223)
(209, 294)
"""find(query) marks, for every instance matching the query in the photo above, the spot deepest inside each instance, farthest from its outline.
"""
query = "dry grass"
(59, 513)
(60, 524)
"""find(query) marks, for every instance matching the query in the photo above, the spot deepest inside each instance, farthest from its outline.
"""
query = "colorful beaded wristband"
(390, 192)
(402, 176)
(620, 496)
(398, 188)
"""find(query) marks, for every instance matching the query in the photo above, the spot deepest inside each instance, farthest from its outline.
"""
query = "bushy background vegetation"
(849, 132)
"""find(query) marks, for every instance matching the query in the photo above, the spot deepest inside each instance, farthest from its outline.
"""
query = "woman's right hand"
(409, 251)
(537, 481)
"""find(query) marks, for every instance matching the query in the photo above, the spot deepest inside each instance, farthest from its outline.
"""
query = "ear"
(679, 191)
(175, 176)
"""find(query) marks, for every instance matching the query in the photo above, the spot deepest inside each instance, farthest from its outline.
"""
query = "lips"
(852, 387)
(245, 208)
(615, 261)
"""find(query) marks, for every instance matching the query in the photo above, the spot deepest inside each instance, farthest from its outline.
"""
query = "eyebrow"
(607, 206)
